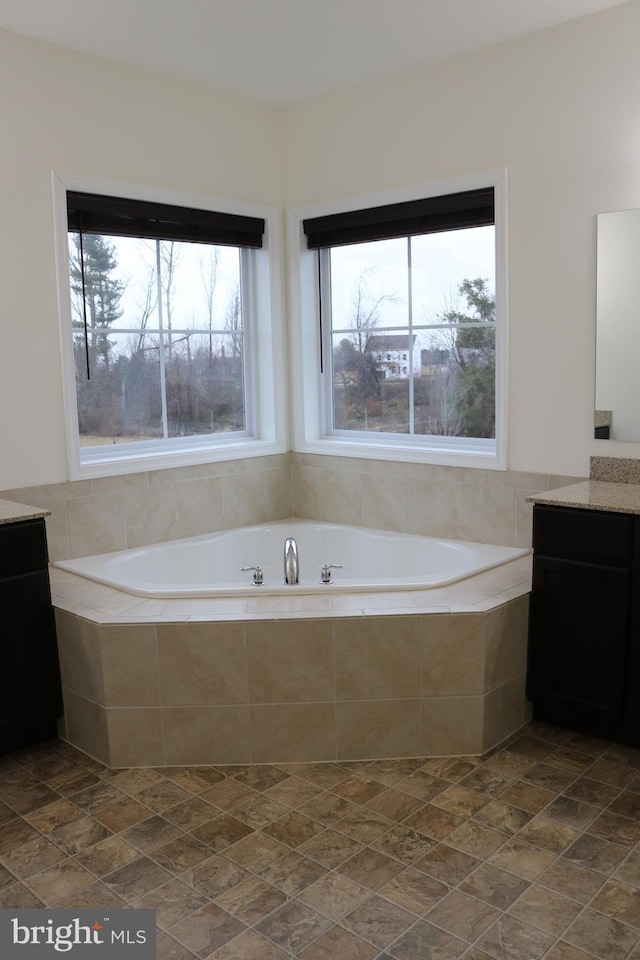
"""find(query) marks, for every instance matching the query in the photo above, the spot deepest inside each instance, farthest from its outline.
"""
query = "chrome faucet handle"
(258, 577)
(325, 575)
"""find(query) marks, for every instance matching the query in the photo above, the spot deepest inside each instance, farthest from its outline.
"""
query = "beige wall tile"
(135, 737)
(341, 497)
(328, 461)
(292, 732)
(452, 726)
(80, 655)
(433, 508)
(172, 475)
(129, 666)
(562, 480)
(371, 466)
(86, 725)
(385, 502)
(412, 471)
(518, 479)
(244, 499)
(58, 531)
(506, 645)
(124, 481)
(96, 524)
(290, 661)
(460, 475)
(524, 519)
(111, 513)
(272, 462)
(199, 507)
(206, 735)
(378, 657)
(306, 483)
(506, 710)
(221, 468)
(453, 654)
(278, 493)
(19, 495)
(487, 514)
(202, 663)
(368, 729)
(150, 515)
(62, 491)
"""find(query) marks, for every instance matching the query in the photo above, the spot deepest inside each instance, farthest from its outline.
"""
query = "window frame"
(311, 389)
(265, 401)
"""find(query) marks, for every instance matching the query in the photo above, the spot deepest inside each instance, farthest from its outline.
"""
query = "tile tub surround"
(457, 503)
(132, 510)
(116, 513)
(281, 679)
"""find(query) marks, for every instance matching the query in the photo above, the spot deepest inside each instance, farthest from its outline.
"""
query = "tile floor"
(531, 853)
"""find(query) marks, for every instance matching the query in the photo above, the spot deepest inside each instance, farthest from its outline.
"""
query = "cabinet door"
(30, 695)
(577, 645)
(632, 693)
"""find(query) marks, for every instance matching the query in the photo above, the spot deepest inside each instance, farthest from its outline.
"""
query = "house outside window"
(161, 333)
(412, 326)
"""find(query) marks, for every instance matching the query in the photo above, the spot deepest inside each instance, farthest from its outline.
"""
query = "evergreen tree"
(101, 292)
(473, 351)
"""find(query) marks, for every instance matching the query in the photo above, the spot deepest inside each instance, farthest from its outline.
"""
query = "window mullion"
(163, 377)
(248, 330)
(327, 376)
(410, 338)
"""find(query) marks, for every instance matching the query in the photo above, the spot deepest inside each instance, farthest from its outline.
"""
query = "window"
(407, 328)
(162, 328)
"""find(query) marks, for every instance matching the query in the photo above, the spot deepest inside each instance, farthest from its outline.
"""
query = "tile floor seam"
(619, 773)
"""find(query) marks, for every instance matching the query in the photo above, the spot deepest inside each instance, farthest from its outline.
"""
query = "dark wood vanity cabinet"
(584, 630)
(30, 692)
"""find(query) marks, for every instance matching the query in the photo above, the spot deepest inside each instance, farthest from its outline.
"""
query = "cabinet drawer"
(23, 547)
(588, 535)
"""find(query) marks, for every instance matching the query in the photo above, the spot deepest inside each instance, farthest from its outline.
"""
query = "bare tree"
(366, 310)
(233, 322)
(169, 258)
(209, 273)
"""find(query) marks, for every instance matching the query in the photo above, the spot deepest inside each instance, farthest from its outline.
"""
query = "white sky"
(193, 267)
(440, 261)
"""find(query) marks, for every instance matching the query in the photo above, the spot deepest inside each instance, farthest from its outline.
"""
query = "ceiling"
(284, 51)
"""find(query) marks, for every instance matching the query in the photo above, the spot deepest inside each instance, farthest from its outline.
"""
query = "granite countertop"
(602, 418)
(607, 495)
(11, 512)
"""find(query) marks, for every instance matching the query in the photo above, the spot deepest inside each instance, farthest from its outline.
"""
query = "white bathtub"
(210, 565)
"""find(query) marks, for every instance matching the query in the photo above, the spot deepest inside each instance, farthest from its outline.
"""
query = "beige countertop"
(594, 495)
(11, 512)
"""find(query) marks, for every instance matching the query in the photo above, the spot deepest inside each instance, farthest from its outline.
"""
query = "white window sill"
(477, 453)
(114, 465)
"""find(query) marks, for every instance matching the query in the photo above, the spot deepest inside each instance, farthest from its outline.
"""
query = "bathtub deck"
(102, 604)
(430, 673)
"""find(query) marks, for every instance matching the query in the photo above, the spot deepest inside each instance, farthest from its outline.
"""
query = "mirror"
(617, 414)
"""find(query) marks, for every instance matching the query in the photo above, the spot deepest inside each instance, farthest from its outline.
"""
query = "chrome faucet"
(291, 565)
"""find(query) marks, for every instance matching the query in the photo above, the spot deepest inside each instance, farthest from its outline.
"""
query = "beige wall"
(560, 110)
(80, 115)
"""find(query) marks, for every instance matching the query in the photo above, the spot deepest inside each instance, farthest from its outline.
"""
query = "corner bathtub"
(210, 565)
